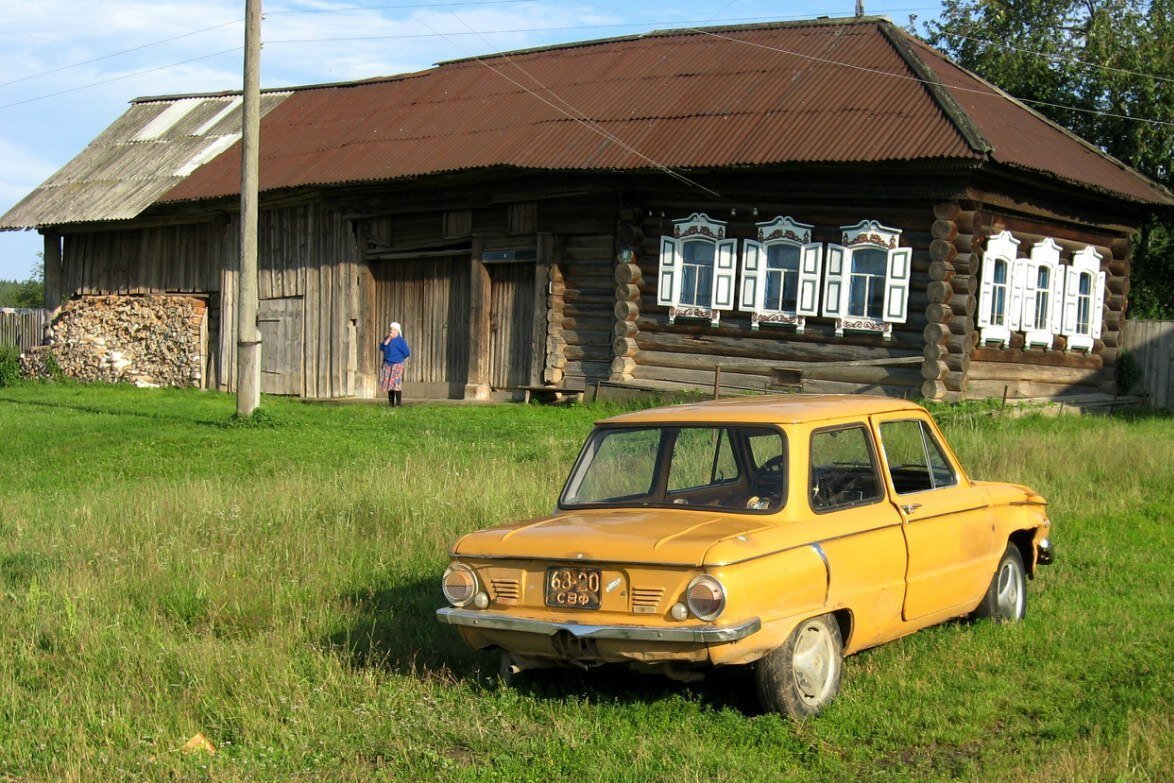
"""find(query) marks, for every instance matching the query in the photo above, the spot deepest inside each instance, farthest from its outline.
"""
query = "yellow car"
(781, 531)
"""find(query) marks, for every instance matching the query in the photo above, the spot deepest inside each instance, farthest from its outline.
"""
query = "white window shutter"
(986, 287)
(753, 261)
(1071, 294)
(897, 285)
(669, 277)
(810, 269)
(1098, 305)
(725, 268)
(835, 289)
(1056, 306)
(1019, 271)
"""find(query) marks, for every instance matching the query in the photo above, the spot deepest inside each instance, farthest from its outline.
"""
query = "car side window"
(843, 471)
(701, 457)
(915, 458)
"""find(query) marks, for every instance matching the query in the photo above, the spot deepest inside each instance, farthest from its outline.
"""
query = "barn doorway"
(280, 322)
(429, 296)
(511, 321)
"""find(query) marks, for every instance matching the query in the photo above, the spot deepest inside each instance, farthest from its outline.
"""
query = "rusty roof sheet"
(828, 91)
(814, 92)
(1022, 138)
(151, 148)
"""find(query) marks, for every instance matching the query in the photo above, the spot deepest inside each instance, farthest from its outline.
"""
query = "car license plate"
(579, 588)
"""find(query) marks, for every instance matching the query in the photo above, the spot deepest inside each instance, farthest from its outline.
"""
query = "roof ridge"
(962, 121)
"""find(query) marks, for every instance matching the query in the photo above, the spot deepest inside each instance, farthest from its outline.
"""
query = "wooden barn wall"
(1011, 371)
(305, 253)
(550, 320)
(684, 355)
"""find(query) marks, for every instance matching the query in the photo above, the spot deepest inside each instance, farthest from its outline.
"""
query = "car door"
(858, 531)
(946, 521)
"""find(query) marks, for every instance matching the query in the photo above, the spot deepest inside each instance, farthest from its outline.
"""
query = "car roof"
(770, 408)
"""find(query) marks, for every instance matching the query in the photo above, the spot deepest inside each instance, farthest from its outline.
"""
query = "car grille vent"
(646, 600)
(506, 589)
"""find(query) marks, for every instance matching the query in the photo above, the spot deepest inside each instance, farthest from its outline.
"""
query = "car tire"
(800, 678)
(1006, 597)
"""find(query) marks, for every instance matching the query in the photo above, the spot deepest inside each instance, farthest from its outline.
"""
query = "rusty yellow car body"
(862, 528)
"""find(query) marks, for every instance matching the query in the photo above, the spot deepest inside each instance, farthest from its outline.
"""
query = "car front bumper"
(694, 634)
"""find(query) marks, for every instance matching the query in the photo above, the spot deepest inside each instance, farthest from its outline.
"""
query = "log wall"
(685, 355)
(973, 371)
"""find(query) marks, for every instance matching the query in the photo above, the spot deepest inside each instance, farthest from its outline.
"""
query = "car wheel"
(1006, 598)
(802, 677)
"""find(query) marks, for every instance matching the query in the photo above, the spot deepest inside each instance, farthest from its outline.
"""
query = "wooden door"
(429, 297)
(511, 324)
(280, 322)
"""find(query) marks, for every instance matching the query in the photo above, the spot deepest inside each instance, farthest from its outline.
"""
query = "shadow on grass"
(118, 410)
(396, 628)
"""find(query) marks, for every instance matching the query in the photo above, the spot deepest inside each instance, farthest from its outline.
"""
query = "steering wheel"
(768, 481)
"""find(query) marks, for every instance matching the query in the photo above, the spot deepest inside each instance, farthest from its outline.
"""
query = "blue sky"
(68, 68)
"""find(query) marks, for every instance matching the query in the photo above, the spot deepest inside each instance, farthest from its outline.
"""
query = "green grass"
(164, 573)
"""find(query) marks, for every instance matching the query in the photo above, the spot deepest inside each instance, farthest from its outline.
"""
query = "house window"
(1083, 303)
(995, 285)
(1043, 293)
(1037, 294)
(782, 277)
(866, 291)
(866, 286)
(998, 300)
(781, 268)
(1083, 300)
(696, 273)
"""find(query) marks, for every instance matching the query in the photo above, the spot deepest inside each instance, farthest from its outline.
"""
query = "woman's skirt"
(391, 377)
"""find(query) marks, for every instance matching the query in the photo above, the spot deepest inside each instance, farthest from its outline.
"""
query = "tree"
(27, 293)
(1104, 69)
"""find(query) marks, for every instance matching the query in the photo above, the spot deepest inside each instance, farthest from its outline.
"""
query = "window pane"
(701, 457)
(869, 261)
(842, 470)
(773, 298)
(916, 461)
(998, 305)
(619, 464)
(782, 257)
(699, 253)
(1000, 274)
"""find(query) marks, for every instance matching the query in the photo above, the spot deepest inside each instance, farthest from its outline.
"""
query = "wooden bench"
(550, 393)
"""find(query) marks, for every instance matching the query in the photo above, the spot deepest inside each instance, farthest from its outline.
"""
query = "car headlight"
(706, 597)
(459, 584)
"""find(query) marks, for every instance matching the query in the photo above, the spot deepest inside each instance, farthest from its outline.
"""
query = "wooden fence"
(21, 327)
(1152, 345)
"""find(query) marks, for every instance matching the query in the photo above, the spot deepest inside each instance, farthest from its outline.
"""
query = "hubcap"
(813, 663)
(1009, 592)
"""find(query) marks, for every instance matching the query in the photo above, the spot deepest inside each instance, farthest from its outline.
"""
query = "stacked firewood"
(144, 340)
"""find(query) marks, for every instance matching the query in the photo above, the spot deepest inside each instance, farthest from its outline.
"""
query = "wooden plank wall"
(22, 327)
(1011, 371)
(429, 297)
(684, 355)
(303, 251)
(1151, 344)
(511, 324)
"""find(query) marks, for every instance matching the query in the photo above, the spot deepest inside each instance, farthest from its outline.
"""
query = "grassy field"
(164, 574)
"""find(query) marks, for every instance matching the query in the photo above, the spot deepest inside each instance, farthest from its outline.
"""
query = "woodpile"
(144, 340)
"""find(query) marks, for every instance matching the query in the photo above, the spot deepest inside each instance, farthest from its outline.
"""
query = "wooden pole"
(248, 366)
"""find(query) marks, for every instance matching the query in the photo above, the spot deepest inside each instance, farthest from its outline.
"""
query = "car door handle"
(910, 508)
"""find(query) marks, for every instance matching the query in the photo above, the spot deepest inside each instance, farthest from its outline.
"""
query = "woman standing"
(395, 351)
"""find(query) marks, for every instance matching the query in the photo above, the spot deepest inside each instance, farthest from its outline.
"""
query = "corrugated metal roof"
(146, 152)
(814, 92)
(846, 91)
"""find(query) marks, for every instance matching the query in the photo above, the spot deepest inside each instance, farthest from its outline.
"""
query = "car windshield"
(736, 468)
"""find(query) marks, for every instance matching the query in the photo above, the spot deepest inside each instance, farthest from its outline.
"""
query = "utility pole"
(248, 338)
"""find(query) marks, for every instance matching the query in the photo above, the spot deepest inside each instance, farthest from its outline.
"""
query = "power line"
(119, 78)
(1057, 58)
